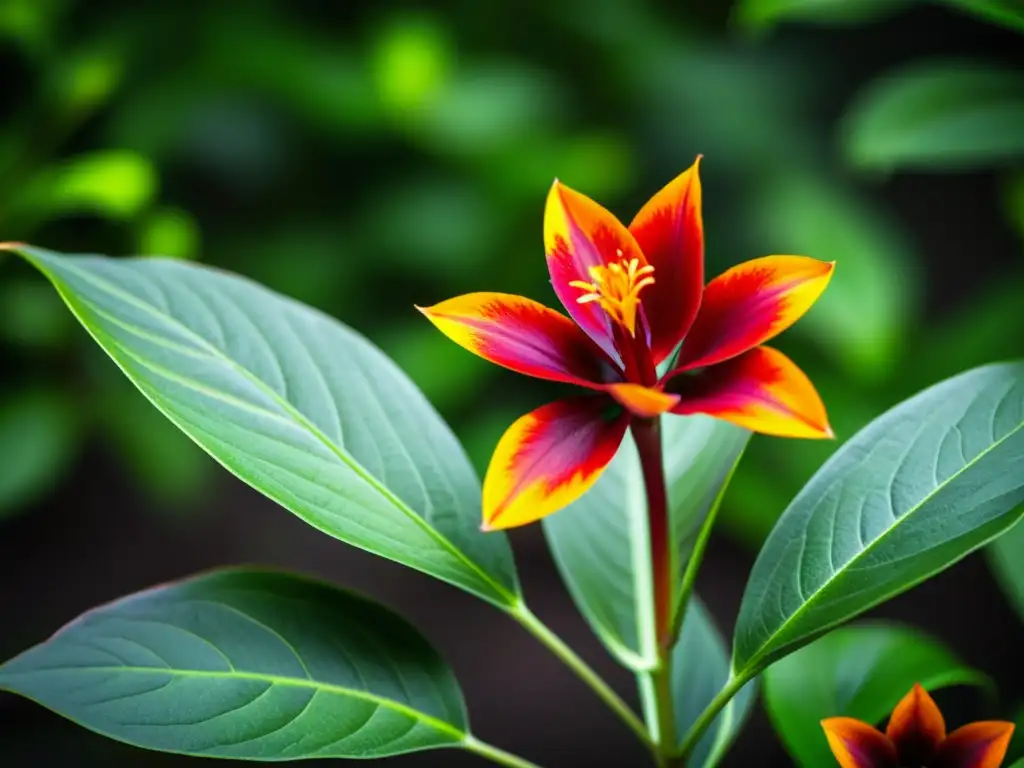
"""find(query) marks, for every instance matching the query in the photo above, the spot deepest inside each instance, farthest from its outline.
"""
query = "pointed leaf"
(295, 404)
(601, 543)
(700, 668)
(909, 495)
(860, 672)
(940, 115)
(247, 664)
(1005, 558)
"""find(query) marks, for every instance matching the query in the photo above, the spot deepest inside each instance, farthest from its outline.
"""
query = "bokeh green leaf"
(760, 14)
(860, 672)
(1006, 556)
(1008, 13)
(249, 664)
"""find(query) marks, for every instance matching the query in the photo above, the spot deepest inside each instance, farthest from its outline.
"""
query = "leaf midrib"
(509, 597)
(756, 657)
(273, 680)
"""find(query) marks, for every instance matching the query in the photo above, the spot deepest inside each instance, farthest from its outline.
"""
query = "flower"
(916, 738)
(633, 295)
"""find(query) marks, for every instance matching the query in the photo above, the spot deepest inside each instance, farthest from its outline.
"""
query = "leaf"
(860, 672)
(700, 668)
(1009, 13)
(946, 115)
(912, 493)
(1004, 555)
(295, 404)
(38, 438)
(247, 664)
(600, 543)
(760, 14)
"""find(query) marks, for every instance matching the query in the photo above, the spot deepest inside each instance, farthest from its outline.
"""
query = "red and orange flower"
(916, 738)
(634, 294)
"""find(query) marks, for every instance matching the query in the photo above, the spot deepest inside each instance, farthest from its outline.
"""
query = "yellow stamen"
(616, 288)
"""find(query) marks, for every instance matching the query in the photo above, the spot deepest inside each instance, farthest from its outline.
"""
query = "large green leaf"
(700, 668)
(297, 405)
(1006, 555)
(912, 493)
(860, 672)
(1009, 13)
(247, 664)
(941, 115)
(601, 542)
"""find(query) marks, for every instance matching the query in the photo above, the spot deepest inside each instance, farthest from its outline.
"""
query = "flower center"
(616, 288)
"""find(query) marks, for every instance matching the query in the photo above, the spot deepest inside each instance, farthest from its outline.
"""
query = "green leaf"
(295, 404)
(912, 493)
(700, 669)
(247, 664)
(941, 115)
(1009, 13)
(1008, 565)
(760, 14)
(860, 672)
(601, 543)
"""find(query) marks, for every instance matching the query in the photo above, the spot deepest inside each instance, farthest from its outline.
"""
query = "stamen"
(616, 288)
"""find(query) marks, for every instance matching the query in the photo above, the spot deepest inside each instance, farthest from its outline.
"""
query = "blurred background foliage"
(363, 157)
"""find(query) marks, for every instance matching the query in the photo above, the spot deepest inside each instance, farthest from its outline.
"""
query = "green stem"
(557, 646)
(707, 717)
(492, 753)
(697, 557)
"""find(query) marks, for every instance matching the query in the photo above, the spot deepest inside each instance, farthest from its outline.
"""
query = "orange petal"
(978, 745)
(520, 334)
(670, 232)
(645, 402)
(857, 745)
(549, 458)
(761, 390)
(579, 234)
(916, 727)
(750, 304)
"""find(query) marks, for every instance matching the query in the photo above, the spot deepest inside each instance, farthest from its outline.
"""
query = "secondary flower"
(634, 294)
(916, 738)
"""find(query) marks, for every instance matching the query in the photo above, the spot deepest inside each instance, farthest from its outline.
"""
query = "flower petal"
(579, 234)
(520, 334)
(978, 745)
(856, 744)
(751, 303)
(549, 458)
(645, 402)
(670, 232)
(916, 727)
(761, 390)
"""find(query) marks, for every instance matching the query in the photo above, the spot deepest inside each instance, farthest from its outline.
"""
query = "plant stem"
(494, 754)
(557, 646)
(707, 717)
(647, 435)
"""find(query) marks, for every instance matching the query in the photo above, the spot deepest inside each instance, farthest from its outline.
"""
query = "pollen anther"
(616, 288)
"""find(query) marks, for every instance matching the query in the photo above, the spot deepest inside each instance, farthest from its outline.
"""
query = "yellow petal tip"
(11, 246)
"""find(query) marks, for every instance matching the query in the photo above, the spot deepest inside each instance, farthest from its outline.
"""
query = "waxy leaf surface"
(295, 404)
(700, 668)
(601, 542)
(912, 493)
(247, 664)
(861, 672)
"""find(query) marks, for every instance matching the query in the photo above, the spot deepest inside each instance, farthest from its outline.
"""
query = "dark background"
(364, 156)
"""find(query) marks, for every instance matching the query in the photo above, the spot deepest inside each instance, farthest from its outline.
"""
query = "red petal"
(978, 745)
(645, 402)
(549, 458)
(857, 745)
(761, 390)
(519, 334)
(579, 234)
(750, 304)
(670, 232)
(916, 727)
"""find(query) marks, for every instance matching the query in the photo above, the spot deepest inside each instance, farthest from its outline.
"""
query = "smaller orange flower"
(916, 738)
